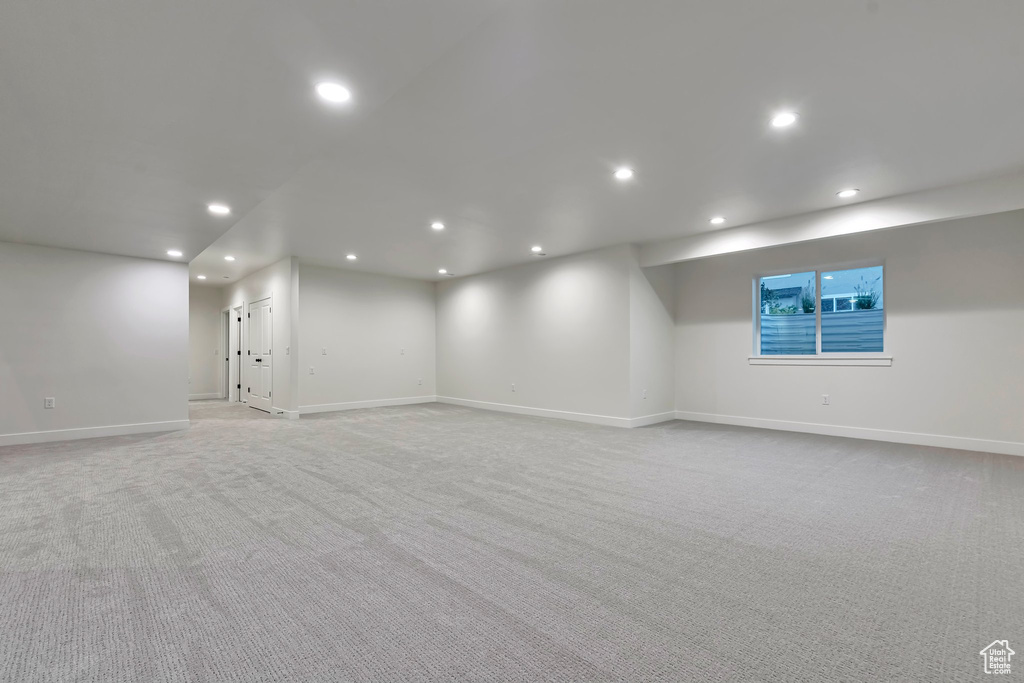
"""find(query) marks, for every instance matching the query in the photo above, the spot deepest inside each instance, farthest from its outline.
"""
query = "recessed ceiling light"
(537, 249)
(442, 271)
(200, 277)
(229, 258)
(717, 220)
(437, 225)
(218, 209)
(623, 173)
(351, 257)
(846, 194)
(173, 252)
(335, 93)
(784, 119)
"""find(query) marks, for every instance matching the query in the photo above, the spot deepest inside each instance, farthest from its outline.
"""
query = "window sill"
(845, 361)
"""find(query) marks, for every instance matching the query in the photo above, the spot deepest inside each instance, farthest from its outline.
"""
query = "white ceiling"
(120, 121)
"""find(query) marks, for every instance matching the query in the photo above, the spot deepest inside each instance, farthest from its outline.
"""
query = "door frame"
(233, 394)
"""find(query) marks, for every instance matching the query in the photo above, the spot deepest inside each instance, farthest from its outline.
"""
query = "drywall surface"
(368, 339)
(651, 342)
(558, 330)
(105, 336)
(276, 281)
(982, 197)
(206, 351)
(954, 329)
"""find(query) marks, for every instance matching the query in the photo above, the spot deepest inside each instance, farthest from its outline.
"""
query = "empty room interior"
(484, 340)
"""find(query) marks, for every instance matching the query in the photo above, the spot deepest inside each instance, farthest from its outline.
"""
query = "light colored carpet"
(442, 543)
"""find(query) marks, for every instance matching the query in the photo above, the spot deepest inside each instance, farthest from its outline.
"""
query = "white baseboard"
(204, 397)
(915, 438)
(91, 432)
(374, 403)
(652, 419)
(607, 420)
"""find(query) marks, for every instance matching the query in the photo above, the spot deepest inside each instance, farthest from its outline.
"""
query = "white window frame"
(876, 359)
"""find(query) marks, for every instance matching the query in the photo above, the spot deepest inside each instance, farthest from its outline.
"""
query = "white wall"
(205, 347)
(378, 332)
(557, 328)
(279, 281)
(106, 336)
(651, 342)
(955, 330)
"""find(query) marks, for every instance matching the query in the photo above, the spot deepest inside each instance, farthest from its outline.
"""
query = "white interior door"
(260, 356)
(226, 322)
(238, 362)
(235, 354)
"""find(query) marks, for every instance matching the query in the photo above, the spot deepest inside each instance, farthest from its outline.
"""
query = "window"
(812, 313)
(852, 311)
(787, 314)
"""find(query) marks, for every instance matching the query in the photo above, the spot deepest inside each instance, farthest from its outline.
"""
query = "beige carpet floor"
(439, 543)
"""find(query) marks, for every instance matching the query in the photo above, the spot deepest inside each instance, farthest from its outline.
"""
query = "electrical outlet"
(513, 388)
(825, 400)
(402, 352)
(323, 351)
(287, 350)
(420, 381)
(311, 369)
(645, 393)
(49, 403)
